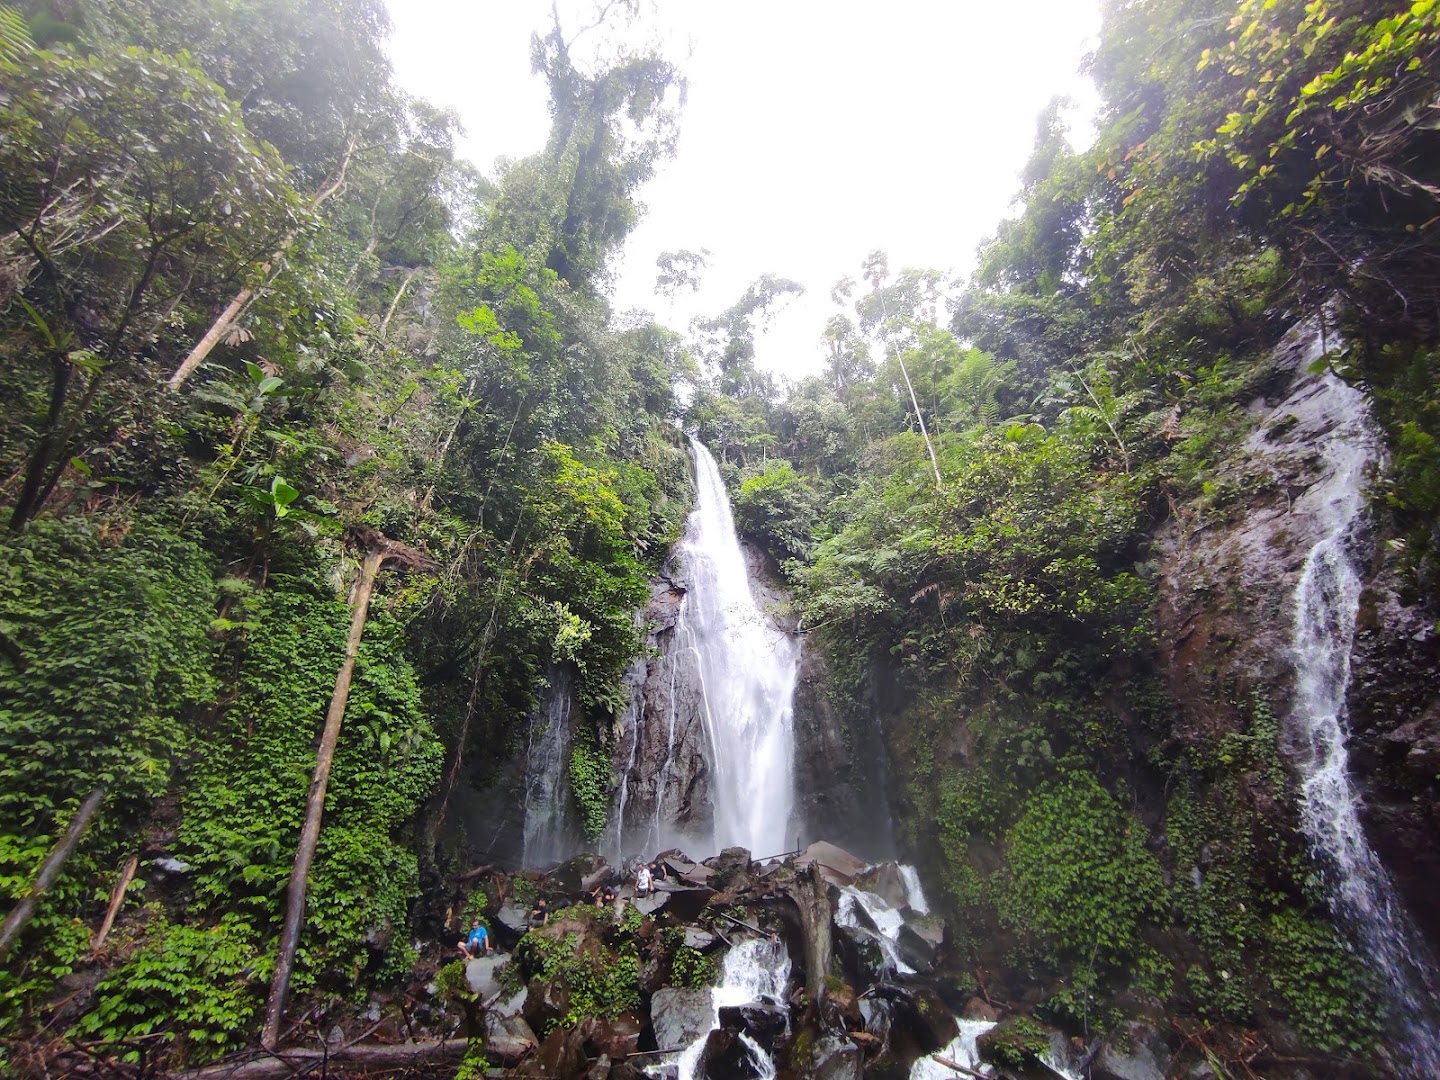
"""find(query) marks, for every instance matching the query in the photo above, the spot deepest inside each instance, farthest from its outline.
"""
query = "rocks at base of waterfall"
(764, 1022)
(837, 866)
(919, 1022)
(833, 1058)
(861, 953)
(482, 974)
(579, 876)
(919, 941)
(884, 880)
(617, 1037)
(599, 1069)
(726, 1057)
(1133, 1051)
(562, 1054)
(510, 1039)
(679, 1017)
(649, 905)
(731, 870)
(513, 918)
(980, 1009)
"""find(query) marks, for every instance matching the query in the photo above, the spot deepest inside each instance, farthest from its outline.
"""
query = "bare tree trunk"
(50, 869)
(921, 418)
(117, 899)
(221, 326)
(315, 807)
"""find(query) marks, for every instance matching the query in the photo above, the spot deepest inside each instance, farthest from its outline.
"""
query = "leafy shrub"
(201, 985)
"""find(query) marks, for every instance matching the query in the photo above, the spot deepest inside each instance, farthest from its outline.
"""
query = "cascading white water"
(549, 833)
(881, 921)
(914, 893)
(963, 1050)
(1327, 603)
(747, 672)
(754, 970)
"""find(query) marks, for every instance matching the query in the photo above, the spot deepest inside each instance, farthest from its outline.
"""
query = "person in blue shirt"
(477, 943)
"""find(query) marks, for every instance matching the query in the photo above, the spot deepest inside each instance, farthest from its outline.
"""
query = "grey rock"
(510, 1038)
(482, 975)
(834, 1058)
(1133, 1051)
(679, 1017)
(513, 918)
(885, 882)
(170, 865)
(699, 939)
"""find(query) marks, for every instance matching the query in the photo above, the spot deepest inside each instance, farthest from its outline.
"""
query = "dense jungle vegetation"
(264, 338)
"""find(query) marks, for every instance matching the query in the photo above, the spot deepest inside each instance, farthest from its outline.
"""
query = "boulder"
(685, 904)
(837, 865)
(618, 1037)
(599, 1069)
(834, 1058)
(1133, 1051)
(698, 939)
(979, 1009)
(918, 946)
(510, 1039)
(482, 975)
(545, 1002)
(679, 1017)
(562, 1054)
(861, 954)
(765, 1023)
(650, 905)
(513, 918)
(727, 1057)
(919, 1018)
(884, 881)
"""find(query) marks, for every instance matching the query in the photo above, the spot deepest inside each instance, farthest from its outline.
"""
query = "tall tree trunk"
(924, 434)
(50, 869)
(221, 326)
(315, 807)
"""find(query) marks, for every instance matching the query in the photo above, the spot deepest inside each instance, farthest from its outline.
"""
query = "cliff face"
(1229, 575)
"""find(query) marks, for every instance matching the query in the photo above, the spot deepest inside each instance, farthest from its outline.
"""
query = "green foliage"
(104, 626)
(599, 983)
(776, 507)
(689, 968)
(1331, 999)
(1016, 1042)
(1080, 878)
(201, 985)
(590, 786)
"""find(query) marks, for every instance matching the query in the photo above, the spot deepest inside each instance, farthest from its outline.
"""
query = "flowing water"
(747, 673)
(962, 1050)
(1327, 602)
(914, 893)
(550, 832)
(869, 914)
(754, 970)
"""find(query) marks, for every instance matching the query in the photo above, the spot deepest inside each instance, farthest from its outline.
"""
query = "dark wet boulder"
(685, 903)
(919, 942)
(679, 1017)
(578, 876)
(728, 1057)
(618, 1037)
(833, 1058)
(545, 1003)
(732, 869)
(861, 954)
(766, 1023)
(920, 1021)
(1133, 1051)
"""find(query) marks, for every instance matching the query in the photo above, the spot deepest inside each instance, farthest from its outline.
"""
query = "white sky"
(815, 131)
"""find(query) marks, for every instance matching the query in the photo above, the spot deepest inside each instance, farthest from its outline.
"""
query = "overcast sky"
(815, 131)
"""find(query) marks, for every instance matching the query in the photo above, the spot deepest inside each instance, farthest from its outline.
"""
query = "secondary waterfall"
(550, 832)
(1327, 602)
(754, 970)
(747, 672)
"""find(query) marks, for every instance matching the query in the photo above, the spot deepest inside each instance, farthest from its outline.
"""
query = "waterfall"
(754, 970)
(550, 832)
(914, 892)
(880, 921)
(747, 673)
(1327, 603)
(963, 1050)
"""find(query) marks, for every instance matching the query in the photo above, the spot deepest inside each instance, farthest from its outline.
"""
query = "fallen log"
(957, 1067)
(284, 1063)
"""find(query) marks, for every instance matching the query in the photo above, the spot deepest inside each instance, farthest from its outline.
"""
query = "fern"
(15, 39)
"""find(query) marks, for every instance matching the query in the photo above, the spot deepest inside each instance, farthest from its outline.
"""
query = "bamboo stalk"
(117, 899)
(315, 806)
(50, 869)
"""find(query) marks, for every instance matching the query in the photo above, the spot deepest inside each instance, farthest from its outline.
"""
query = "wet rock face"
(1395, 751)
(1228, 581)
(1136, 1051)
(665, 797)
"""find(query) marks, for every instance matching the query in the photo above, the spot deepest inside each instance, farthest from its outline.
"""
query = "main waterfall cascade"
(727, 675)
(550, 833)
(1327, 603)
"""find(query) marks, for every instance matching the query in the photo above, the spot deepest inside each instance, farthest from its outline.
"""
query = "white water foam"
(962, 1050)
(1327, 602)
(879, 916)
(753, 970)
(914, 892)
